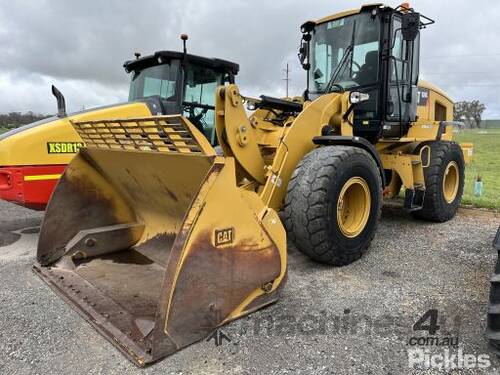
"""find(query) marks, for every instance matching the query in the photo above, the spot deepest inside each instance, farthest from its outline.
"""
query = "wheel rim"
(450, 182)
(353, 207)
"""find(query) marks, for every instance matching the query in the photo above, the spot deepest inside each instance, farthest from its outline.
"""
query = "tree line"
(469, 112)
(13, 120)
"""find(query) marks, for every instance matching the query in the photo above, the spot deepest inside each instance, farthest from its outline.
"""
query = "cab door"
(402, 90)
(199, 98)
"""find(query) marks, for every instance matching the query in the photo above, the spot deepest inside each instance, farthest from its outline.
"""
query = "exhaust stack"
(61, 102)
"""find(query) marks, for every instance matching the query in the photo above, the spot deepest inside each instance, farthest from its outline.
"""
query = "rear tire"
(333, 204)
(444, 182)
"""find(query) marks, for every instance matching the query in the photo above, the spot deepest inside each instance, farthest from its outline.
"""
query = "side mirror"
(410, 26)
(306, 29)
(304, 55)
(303, 52)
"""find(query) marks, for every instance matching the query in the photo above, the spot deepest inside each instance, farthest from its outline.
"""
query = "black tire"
(435, 207)
(310, 210)
(493, 330)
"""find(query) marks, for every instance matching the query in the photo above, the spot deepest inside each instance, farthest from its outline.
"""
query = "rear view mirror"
(307, 28)
(303, 54)
(411, 26)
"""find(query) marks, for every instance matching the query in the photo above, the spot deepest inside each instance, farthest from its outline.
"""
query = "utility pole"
(287, 79)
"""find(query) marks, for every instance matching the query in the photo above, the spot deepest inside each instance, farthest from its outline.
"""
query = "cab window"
(159, 80)
(199, 99)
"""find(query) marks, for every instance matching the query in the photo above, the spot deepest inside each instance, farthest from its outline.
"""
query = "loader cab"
(374, 50)
(178, 83)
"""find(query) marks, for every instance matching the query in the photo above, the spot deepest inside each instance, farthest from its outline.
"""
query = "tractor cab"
(375, 51)
(176, 82)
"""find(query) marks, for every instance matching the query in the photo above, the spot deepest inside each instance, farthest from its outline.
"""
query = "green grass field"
(2, 130)
(486, 163)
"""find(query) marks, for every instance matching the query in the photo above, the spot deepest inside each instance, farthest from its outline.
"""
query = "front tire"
(333, 204)
(444, 182)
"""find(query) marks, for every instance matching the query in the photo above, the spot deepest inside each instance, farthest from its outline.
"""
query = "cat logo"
(64, 147)
(224, 236)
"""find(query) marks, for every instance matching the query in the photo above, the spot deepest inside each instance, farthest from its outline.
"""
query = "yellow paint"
(427, 85)
(240, 140)
(353, 207)
(297, 142)
(451, 182)
(29, 147)
(142, 133)
(42, 177)
(407, 166)
(344, 14)
(437, 97)
(241, 212)
(468, 151)
(338, 15)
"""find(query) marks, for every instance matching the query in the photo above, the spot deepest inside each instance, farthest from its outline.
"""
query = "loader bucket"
(157, 249)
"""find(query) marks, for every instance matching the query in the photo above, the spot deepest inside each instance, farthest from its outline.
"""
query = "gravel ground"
(352, 320)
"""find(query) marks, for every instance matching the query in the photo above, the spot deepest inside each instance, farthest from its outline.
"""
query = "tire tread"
(304, 213)
(434, 209)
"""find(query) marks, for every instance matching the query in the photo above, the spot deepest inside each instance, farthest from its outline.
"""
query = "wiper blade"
(331, 83)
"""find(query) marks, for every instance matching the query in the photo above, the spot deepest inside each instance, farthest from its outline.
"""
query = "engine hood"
(53, 141)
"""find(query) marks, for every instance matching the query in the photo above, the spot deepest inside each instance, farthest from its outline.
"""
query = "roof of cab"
(151, 60)
(348, 13)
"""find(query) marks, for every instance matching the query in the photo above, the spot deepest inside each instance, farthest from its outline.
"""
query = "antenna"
(184, 38)
(287, 78)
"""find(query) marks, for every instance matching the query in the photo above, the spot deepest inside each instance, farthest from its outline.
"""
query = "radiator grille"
(155, 133)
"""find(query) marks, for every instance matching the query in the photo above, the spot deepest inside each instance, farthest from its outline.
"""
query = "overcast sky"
(80, 46)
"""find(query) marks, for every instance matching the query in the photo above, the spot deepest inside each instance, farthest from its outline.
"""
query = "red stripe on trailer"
(29, 186)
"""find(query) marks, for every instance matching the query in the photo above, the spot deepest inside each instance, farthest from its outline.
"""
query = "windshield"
(345, 52)
(199, 98)
(159, 80)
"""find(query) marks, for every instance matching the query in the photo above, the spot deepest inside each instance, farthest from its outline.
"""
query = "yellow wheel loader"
(33, 157)
(157, 239)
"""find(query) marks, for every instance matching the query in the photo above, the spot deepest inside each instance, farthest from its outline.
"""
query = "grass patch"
(486, 163)
(2, 130)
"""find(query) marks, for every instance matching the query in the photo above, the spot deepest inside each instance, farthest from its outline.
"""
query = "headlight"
(357, 97)
(251, 105)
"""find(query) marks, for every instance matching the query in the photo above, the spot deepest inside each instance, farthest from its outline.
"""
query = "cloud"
(33, 93)
(81, 46)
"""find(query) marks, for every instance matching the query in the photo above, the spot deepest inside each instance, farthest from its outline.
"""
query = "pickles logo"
(440, 352)
(224, 236)
(64, 147)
